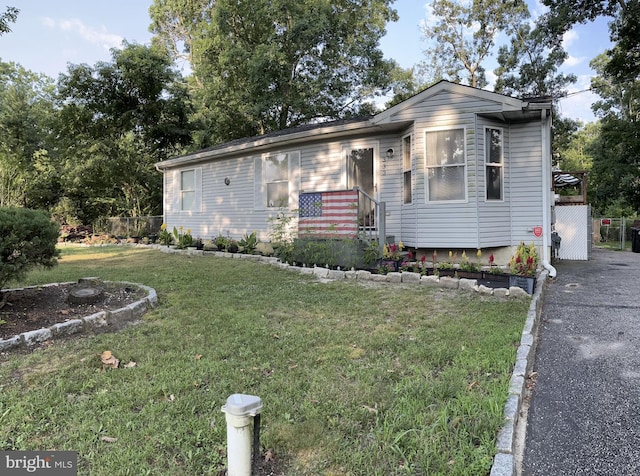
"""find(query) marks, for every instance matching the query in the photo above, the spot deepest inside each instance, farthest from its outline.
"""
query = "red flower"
(409, 255)
(423, 259)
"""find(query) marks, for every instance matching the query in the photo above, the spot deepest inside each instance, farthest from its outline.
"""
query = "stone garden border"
(400, 277)
(103, 321)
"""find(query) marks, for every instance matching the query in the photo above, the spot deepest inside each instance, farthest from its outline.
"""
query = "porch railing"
(371, 218)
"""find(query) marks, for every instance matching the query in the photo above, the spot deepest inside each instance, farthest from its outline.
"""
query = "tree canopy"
(273, 65)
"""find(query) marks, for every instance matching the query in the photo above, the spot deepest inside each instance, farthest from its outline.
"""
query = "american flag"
(328, 214)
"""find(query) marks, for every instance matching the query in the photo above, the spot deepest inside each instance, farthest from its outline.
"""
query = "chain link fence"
(613, 232)
(129, 226)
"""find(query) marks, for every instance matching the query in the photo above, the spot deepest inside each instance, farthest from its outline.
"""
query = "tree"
(528, 65)
(462, 36)
(28, 175)
(27, 238)
(616, 153)
(117, 119)
(273, 65)
(9, 16)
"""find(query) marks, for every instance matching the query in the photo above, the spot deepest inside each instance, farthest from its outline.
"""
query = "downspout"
(546, 190)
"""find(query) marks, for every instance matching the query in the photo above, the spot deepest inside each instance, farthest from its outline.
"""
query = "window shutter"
(198, 194)
(258, 184)
(294, 180)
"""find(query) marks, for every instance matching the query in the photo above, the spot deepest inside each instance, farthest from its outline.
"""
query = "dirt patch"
(35, 308)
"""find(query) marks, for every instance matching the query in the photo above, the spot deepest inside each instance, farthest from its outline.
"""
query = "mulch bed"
(35, 308)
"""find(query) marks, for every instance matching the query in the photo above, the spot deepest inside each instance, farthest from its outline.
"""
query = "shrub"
(27, 239)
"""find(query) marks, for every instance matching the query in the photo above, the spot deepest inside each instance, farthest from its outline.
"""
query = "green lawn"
(355, 380)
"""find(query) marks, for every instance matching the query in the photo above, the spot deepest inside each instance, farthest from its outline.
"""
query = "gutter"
(546, 191)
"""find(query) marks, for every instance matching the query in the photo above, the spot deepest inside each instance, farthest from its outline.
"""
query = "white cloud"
(100, 37)
(573, 61)
(569, 38)
(49, 22)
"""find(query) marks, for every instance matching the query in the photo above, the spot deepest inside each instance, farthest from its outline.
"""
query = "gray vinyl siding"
(494, 216)
(444, 224)
(526, 181)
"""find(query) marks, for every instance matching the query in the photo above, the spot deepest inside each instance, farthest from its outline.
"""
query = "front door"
(360, 173)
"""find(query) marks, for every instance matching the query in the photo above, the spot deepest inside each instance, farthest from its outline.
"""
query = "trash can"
(635, 239)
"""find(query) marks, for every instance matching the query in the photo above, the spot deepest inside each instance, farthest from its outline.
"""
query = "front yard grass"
(355, 380)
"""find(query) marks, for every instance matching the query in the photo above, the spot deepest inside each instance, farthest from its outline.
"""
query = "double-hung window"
(277, 180)
(494, 163)
(406, 168)
(188, 190)
(446, 165)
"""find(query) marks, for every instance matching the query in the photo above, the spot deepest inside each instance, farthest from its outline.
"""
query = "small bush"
(27, 239)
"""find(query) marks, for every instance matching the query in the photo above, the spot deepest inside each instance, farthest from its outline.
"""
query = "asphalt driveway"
(584, 413)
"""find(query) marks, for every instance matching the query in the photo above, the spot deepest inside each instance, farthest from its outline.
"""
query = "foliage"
(615, 174)
(10, 15)
(356, 379)
(249, 242)
(221, 242)
(393, 251)
(282, 234)
(29, 173)
(467, 264)
(27, 239)
(528, 66)
(260, 67)
(525, 261)
(165, 238)
(182, 239)
(461, 36)
(116, 120)
(371, 253)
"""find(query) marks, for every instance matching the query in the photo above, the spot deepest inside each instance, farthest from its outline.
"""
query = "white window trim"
(410, 169)
(197, 191)
(260, 182)
(378, 163)
(500, 165)
(265, 160)
(427, 167)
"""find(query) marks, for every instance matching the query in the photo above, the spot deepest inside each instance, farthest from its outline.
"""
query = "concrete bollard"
(240, 411)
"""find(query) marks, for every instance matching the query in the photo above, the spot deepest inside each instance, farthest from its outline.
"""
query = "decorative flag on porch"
(328, 214)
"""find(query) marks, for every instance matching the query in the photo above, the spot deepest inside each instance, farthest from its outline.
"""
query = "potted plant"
(232, 247)
(393, 255)
(469, 269)
(523, 267)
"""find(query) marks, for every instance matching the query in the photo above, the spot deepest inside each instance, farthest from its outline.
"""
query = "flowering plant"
(182, 239)
(525, 261)
(164, 237)
(468, 265)
(393, 251)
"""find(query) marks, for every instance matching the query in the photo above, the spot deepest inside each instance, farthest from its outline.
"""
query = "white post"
(240, 411)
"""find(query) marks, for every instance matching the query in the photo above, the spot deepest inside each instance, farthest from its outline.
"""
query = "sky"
(48, 35)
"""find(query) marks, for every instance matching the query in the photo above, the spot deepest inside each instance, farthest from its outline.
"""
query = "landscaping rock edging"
(393, 277)
(103, 321)
(507, 445)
